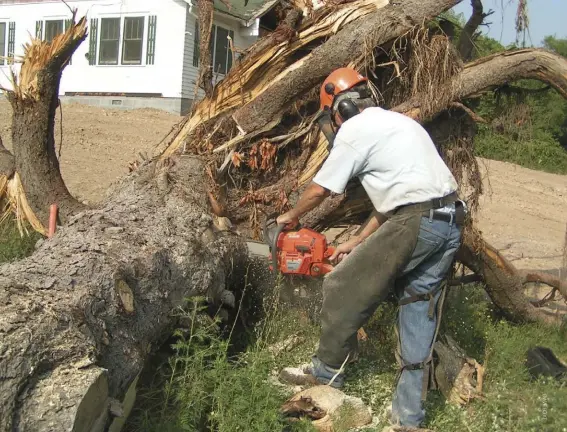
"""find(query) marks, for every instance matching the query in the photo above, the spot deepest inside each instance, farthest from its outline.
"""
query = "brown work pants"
(357, 285)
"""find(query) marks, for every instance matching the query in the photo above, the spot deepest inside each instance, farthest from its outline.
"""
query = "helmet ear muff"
(347, 109)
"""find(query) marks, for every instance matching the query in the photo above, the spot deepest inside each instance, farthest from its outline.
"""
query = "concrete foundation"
(179, 106)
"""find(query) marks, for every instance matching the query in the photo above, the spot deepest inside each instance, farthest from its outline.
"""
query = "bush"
(208, 390)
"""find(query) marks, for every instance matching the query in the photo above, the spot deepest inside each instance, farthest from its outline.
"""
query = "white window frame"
(44, 35)
(121, 39)
(214, 48)
(3, 55)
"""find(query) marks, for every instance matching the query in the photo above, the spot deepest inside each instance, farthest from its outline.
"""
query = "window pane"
(2, 42)
(52, 29)
(109, 40)
(133, 38)
(221, 51)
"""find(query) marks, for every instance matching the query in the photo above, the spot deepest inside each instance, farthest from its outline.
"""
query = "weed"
(206, 389)
(13, 246)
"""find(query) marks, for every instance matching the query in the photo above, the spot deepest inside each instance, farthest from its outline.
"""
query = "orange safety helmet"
(338, 81)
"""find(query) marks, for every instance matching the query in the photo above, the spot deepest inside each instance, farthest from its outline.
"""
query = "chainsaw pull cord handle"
(278, 231)
(273, 241)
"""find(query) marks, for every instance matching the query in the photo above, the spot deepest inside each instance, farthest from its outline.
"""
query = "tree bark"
(205, 80)
(7, 162)
(349, 44)
(34, 101)
(79, 317)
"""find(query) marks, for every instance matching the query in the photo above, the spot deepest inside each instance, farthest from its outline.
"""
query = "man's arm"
(372, 224)
(311, 197)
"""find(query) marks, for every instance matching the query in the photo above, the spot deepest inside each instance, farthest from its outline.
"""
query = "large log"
(80, 316)
(498, 69)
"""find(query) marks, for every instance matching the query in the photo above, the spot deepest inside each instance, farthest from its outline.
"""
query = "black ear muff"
(347, 109)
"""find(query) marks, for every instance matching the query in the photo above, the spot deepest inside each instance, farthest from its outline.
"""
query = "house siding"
(161, 79)
(168, 83)
(190, 73)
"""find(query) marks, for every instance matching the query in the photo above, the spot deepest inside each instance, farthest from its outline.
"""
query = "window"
(2, 43)
(109, 41)
(133, 40)
(52, 29)
(219, 47)
(120, 40)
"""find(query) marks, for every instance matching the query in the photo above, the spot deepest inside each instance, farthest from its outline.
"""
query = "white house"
(139, 53)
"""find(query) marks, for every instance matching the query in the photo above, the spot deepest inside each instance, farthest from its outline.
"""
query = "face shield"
(325, 123)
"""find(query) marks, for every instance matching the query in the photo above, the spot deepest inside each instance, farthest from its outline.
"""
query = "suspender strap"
(414, 297)
(427, 365)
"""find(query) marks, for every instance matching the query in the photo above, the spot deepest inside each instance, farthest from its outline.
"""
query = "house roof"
(244, 10)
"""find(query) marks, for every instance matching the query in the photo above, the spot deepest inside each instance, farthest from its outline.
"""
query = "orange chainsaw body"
(303, 252)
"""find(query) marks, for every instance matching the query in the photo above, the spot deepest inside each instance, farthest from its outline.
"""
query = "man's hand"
(311, 198)
(289, 219)
(344, 249)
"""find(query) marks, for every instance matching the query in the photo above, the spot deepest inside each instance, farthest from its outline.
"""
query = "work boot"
(324, 373)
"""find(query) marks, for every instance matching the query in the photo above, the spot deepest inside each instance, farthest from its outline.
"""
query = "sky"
(547, 17)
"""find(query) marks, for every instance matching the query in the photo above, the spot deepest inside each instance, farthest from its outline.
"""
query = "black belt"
(436, 203)
(428, 208)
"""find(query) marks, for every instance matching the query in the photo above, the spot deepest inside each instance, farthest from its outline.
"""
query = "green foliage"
(208, 390)
(558, 46)
(527, 121)
(512, 400)
(13, 246)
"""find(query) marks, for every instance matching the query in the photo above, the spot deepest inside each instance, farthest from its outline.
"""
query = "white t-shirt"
(392, 155)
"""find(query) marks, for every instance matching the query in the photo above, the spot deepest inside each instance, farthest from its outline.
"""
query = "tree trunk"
(34, 101)
(466, 39)
(205, 80)
(266, 80)
(80, 316)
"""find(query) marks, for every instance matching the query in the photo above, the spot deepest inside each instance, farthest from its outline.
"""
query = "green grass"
(512, 401)
(205, 389)
(541, 152)
(13, 246)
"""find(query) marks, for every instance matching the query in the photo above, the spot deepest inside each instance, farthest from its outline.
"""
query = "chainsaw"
(299, 251)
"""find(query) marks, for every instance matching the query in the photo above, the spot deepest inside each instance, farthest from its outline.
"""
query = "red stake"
(52, 220)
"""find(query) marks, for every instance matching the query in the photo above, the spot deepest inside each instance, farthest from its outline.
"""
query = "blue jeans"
(435, 250)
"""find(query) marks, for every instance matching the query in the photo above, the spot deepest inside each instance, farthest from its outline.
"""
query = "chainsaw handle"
(273, 241)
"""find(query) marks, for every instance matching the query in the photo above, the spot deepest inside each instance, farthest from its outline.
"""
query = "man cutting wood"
(407, 246)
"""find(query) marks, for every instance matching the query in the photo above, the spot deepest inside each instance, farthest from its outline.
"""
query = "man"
(408, 244)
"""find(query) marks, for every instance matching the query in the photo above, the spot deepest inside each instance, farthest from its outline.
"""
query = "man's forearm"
(373, 224)
(311, 198)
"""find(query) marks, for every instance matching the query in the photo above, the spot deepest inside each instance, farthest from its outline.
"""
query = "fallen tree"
(93, 301)
(259, 131)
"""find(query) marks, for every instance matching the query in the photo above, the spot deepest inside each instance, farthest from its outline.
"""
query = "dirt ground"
(98, 143)
(523, 212)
